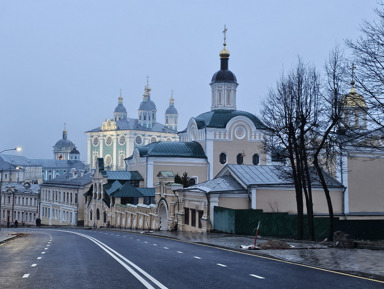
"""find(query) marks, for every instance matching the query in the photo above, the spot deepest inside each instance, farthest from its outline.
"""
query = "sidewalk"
(6, 235)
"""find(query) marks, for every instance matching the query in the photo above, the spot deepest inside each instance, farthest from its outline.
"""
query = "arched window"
(90, 215)
(223, 158)
(240, 159)
(104, 217)
(97, 214)
(255, 159)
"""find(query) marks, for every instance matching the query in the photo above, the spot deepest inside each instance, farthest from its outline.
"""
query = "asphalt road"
(59, 258)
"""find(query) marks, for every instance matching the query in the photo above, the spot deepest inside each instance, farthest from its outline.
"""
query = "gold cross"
(225, 34)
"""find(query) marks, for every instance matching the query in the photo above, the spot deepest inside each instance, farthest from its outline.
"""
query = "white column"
(209, 153)
(89, 152)
(149, 173)
(253, 199)
(214, 201)
(114, 154)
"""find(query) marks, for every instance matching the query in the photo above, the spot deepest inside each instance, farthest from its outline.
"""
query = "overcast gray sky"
(66, 61)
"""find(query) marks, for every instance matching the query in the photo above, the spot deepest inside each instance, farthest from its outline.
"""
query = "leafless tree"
(369, 60)
(291, 113)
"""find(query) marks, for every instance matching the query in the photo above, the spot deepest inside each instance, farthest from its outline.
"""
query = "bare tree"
(291, 113)
(369, 59)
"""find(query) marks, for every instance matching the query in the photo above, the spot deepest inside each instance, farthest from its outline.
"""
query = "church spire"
(65, 134)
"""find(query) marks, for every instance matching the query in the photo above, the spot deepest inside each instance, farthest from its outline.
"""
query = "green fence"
(284, 225)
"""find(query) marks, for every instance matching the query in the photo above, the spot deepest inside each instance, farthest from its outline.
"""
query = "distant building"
(62, 199)
(19, 202)
(116, 138)
(64, 149)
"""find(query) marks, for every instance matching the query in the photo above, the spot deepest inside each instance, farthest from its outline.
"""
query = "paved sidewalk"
(7, 234)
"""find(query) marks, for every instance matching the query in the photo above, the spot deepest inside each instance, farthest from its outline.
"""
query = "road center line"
(196, 257)
(221, 265)
(257, 276)
(127, 264)
(33, 265)
(38, 258)
(25, 275)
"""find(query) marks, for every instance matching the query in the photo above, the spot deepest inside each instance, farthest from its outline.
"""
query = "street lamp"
(1, 180)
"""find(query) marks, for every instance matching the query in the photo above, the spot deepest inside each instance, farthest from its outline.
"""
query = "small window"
(223, 158)
(240, 159)
(193, 217)
(255, 159)
(186, 216)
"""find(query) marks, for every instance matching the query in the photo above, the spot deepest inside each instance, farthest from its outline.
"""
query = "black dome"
(224, 76)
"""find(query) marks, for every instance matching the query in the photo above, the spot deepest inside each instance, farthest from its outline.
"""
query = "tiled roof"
(123, 175)
(172, 149)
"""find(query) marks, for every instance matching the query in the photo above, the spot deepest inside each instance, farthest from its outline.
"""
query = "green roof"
(220, 117)
(127, 190)
(112, 187)
(123, 175)
(172, 149)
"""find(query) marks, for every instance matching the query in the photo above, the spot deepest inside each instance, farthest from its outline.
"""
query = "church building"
(228, 135)
(116, 138)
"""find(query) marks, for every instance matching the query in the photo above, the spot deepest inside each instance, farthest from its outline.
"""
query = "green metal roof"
(127, 190)
(220, 117)
(112, 187)
(123, 175)
(147, 192)
(172, 149)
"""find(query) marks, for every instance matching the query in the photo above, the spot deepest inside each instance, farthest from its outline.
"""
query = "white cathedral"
(116, 138)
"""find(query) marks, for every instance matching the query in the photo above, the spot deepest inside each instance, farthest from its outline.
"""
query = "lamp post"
(1, 181)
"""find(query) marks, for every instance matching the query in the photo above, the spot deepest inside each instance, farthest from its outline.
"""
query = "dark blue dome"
(120, 108)
(171, 110)
(226, 76)
(147, 105)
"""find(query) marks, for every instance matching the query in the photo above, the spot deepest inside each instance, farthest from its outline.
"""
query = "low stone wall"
(142, 217)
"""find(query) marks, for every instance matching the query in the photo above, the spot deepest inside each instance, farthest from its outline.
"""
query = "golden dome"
(224, 53)
(353, 99)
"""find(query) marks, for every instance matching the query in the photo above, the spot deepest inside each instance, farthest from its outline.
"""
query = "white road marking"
(138, 239)
(38, 258)
(25, 275)
(145, 242)
(154, 244)
(221, 265)
(127, 264)
(166, 248)
(179, 252)
(33, 265)
(45, 248)
(196, 257)
(42, 252)
(257, 276)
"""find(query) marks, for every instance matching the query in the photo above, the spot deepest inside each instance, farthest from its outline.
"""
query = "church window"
(153, 139)
(169, 139)
(228, 97)
(145, 117)
(223, 158)
(108, 141)
(90, 215)
(193, 217)
(139, 140)
(108, 160)
(97, 214)
(255, 159)
(240, 159)
(95, 141)
(219, 98)
(121, 164)
(122, 140)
